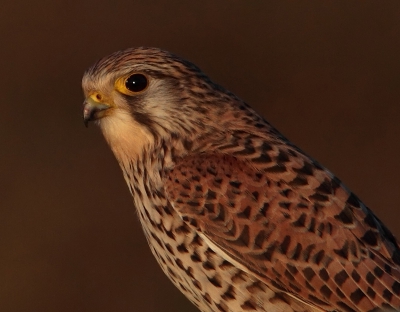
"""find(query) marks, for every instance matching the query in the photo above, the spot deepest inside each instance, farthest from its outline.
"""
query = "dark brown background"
(326, 73)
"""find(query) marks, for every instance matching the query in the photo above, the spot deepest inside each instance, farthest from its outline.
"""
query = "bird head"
(141, 96)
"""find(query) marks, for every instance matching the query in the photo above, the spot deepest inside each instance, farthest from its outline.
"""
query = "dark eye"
(136, 83)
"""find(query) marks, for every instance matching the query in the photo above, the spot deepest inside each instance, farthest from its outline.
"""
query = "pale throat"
(126, 137)
(128, 140)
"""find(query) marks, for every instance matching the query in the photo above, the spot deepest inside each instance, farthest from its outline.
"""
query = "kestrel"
(237, 216)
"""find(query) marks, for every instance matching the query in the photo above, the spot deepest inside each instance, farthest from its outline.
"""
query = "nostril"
(98, 96)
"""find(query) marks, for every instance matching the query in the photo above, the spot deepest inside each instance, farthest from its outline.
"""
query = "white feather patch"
(126, 137)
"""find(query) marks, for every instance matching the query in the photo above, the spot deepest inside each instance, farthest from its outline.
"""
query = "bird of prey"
(237, 216)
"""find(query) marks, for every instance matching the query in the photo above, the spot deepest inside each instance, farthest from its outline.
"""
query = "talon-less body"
(238, 217)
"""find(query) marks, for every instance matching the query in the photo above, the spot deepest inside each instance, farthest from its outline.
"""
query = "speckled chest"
(208, 280)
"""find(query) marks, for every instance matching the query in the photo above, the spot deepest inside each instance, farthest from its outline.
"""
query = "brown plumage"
(238, 217)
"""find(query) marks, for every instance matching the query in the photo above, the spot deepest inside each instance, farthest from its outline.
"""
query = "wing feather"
(302, 233)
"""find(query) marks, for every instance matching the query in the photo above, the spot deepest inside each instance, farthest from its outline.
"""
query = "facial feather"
(126, 137)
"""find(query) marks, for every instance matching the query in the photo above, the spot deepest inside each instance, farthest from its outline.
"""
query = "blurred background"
(325, 73)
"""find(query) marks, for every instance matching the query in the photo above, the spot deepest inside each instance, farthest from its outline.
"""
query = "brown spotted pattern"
(238, 217)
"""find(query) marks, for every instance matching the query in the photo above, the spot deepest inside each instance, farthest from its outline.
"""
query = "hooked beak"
(93, 110)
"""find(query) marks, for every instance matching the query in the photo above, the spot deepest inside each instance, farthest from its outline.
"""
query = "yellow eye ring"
(132, 84)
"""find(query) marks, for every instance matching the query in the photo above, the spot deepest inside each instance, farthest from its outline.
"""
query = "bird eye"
(136, 83)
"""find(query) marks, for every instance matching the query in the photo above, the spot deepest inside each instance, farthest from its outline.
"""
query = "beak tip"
(86, 115)
(91, 110)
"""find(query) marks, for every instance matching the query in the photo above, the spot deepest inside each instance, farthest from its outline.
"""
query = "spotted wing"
(299, 229)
